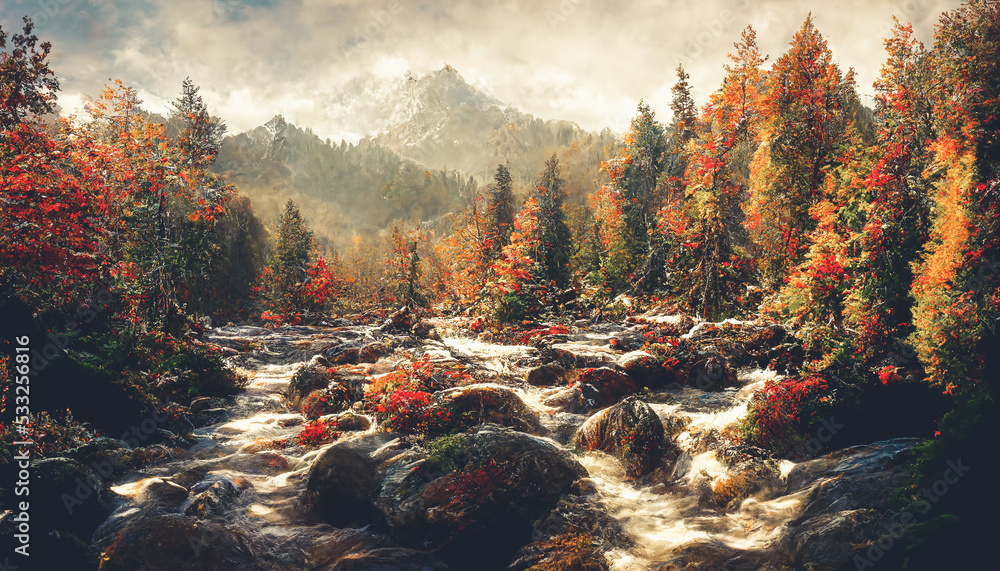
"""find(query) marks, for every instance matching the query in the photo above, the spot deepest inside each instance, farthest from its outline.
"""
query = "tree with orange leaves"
(805, 112)
(709, 267)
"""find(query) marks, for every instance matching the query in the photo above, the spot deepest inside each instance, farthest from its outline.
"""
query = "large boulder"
(593, 388)
(309, 377)
(642, 367)
(704, 370)
(630, 431)
(579, 355)
(166, 542)
(483, 403)
(547, 375)
(845, 492)
(345, 478)
(575, 535)
(474, 497)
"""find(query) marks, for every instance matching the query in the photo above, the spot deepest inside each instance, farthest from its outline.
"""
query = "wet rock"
(627, 341)
(388, 559)
(569, 399)
(199, 404)
(180, 424)
(844, 490)
(62, 487)
(307, 378)
(852, 478)
(604, 386)
(642, 367)
(213, 498)
(210, 416)
(345, 478)
(472, 405)
(345, 354)
(714, 554)
(575, 535)
(372, 352)
(163, 493)
(828, 541)
(704, 370)
(108, 457)
(348, 421)
(563, 426)
(478, 507)
(742, 480)
(171, 541)
(580, 356)
(674, 425)
(711, 372)
(630, 431)
(547, 375)
(682, 468)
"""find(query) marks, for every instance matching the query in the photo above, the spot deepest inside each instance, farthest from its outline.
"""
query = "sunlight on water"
(704, 324)
(494, 357)
(661, 519)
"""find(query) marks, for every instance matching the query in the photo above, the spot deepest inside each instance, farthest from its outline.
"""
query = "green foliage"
(634, 175)
(499, 215)
(554, 241)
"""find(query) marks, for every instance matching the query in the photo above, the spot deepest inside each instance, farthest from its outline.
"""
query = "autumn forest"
(869, 236)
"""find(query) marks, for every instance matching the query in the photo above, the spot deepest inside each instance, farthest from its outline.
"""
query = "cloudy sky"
(588, 61)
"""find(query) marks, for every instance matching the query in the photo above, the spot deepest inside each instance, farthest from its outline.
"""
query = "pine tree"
(201, 134)
(708, 262)
(554, 238)
(898, 215)
(404, 272)
(634, 177)
(293, 246)
(684, 109)
(955, 288)
(499, 215)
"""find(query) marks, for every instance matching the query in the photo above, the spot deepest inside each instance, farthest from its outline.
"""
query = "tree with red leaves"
(805, 113)
(709, 266)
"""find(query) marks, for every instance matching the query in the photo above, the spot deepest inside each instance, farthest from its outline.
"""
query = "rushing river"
(659, 514)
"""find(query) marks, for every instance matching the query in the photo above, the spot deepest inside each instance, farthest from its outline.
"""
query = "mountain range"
(441, 140)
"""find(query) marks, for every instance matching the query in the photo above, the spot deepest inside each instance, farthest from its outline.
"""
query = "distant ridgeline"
(447, 138)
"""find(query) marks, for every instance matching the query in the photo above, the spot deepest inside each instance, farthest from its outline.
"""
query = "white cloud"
(589, 61)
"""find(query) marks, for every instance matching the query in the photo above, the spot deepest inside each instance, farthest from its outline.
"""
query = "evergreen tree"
(708, 262)
(634, 177)
(404, 271)
(554, 239)
(27, 85)
(898, 218)
(499, 215)
(201, 134)
(955, 285)
(293, 246)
